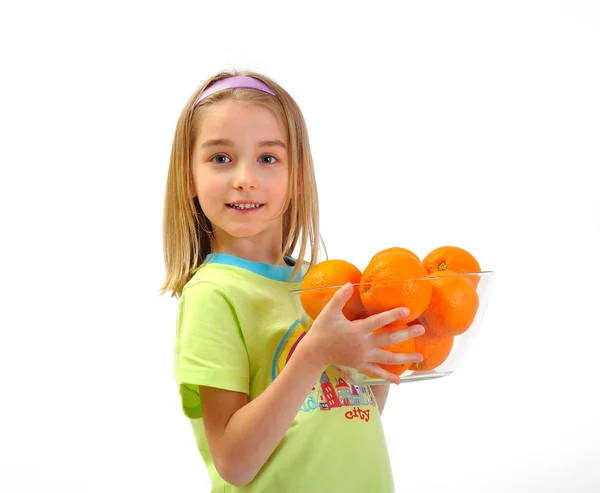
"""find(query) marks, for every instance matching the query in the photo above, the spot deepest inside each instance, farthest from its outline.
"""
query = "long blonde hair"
(187, 232)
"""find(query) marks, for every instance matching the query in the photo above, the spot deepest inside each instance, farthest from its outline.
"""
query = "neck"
(250, 249)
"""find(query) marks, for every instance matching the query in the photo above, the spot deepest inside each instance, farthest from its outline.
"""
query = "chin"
(243, 232)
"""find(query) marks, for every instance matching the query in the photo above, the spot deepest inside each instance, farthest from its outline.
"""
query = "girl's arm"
(241, 434)
(381, 394)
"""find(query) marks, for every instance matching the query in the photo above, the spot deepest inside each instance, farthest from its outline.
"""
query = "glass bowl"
(437, 318)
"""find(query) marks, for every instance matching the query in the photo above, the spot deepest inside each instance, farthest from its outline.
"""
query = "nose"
(244, 177)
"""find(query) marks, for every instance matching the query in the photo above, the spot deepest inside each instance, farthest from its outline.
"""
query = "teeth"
(245, 206)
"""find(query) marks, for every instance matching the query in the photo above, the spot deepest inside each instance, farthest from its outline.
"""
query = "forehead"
(234, 120)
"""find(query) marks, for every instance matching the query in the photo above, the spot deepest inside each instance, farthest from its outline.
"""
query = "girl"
(240, 199)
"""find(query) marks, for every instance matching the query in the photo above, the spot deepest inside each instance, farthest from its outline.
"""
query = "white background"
(469, 123)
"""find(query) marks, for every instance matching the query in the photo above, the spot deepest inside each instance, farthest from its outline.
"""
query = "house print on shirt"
(336, 391)
(331, 397)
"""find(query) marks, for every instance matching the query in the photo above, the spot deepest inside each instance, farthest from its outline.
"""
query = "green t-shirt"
(236, 328)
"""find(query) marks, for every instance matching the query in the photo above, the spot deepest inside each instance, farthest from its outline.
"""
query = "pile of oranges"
(438, 297)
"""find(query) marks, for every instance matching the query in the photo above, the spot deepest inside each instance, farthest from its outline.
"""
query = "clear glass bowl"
(461, 342)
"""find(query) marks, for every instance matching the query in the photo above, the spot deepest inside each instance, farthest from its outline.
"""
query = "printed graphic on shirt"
(286, 347)
(333, 390)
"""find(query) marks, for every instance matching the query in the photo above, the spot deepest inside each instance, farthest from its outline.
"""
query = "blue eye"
(273, 159)
(218, 159)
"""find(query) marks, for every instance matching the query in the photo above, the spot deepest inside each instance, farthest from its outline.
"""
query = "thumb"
(339, 299)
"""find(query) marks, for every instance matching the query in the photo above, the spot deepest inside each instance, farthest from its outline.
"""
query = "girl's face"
(240, 171)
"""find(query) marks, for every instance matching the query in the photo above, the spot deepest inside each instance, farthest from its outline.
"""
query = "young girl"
(268, 410)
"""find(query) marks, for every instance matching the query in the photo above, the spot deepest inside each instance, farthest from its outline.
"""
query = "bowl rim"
(483, 273)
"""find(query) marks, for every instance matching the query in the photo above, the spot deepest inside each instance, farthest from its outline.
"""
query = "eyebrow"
(227, 142)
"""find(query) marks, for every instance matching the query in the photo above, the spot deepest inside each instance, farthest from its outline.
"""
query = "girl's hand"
(334, 340)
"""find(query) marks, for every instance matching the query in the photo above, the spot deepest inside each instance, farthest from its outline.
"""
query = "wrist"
(309, 353)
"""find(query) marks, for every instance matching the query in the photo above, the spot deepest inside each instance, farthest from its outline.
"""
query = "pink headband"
(231, 83)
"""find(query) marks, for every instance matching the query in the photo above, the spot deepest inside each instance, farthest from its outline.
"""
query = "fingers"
(339, 299)
(376, 371)
(394, 337)
(384, 318)
(388, 358)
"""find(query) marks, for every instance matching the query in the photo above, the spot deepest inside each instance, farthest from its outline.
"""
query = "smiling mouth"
(244, 207)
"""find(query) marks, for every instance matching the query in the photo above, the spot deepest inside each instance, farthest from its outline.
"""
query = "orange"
(452, 258)
(407, 346)
(331, 274)
(454, 303)
(398, 249)
(391, 280)
(435, 350)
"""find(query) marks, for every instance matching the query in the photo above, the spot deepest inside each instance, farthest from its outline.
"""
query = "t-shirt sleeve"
(209, 345)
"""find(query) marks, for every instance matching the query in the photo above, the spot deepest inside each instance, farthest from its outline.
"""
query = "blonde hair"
(187, 232)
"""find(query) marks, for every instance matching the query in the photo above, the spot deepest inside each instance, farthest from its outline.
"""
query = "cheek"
(279, 185)
(209, 192)
(209, 198)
